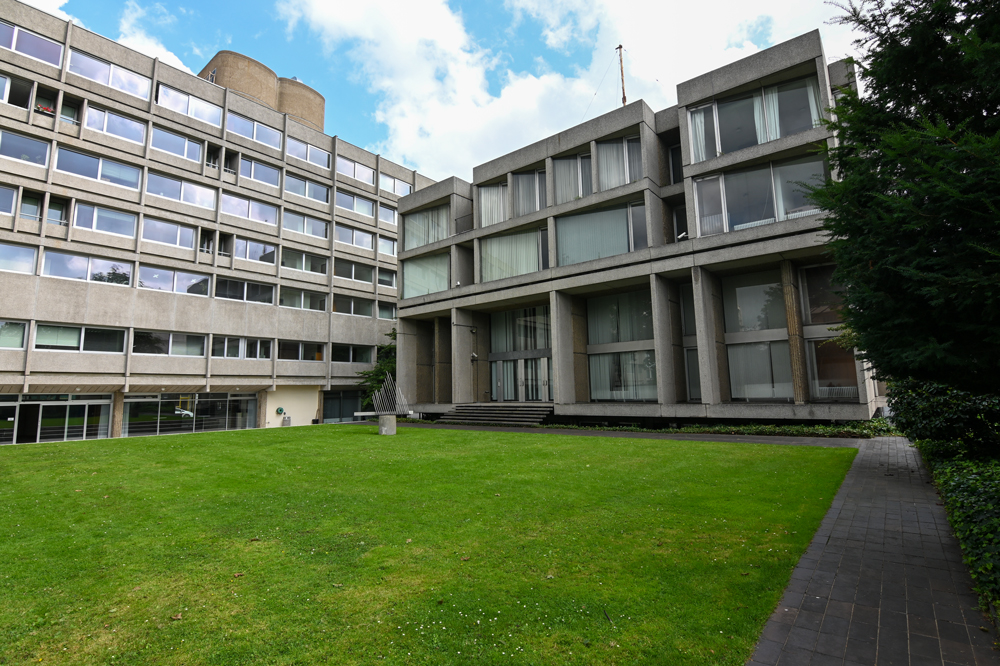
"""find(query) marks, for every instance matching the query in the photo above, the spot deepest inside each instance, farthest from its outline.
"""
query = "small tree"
(915, 212)
(385, 365)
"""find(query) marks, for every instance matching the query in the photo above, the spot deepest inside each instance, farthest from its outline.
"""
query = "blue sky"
(441, 86)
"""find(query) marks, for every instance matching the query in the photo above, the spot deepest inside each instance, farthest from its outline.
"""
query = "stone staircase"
(498, 413)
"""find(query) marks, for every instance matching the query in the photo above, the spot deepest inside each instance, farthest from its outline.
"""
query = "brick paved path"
(883, 580)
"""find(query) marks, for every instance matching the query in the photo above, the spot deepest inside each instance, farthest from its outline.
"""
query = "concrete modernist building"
(642, 266)
(179, 253)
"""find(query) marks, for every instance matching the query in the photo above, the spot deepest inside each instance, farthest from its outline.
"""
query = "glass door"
(8, 413)
(537, 387)
(503, 376)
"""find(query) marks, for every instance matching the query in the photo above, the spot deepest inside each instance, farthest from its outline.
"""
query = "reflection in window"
(425, 275)
(189, 105)
(94, 69)
(424, 227)
(17, 259)
(623, 376)
(601, 233)
(304, 224)
(22, 148)
(832, 371)
(823, 302)
(760, 371)
(754, 302)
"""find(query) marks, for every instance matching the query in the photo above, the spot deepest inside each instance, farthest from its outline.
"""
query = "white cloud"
(54, 7)
(133, 34)
(432, 77)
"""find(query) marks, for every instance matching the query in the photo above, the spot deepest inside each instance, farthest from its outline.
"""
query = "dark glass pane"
(168, 141)
(229, 289)
(741, 123)
(103, 340)
(260, 293)
(162, 186)
(288, 351)
(150, 342)
(151, 277)
(340, 353)
(40, 48)
(141, 418)
(79, 164)
(192, 283)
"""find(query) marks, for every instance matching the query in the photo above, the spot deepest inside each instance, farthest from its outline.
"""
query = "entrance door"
(8, 414)
(27, 423)
(536, 380)
(504, 380)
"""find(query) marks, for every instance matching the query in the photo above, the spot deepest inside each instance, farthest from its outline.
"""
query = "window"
(624, 317)
(176, 144)
(493, 204)
(754, 118)
(572, 178)
(28, 43)
(109, 122)
(15, 91)
(97, 168)
(22, 148)
(189, 105)
(357, 204)
(300, 351)
(180, 190)
(427, 226)
(259, 349)
(760, 371)
(251, 250)
(308, 153)
(165, 279)
(352, 305)
(386, 310)
(305, 225)
(693, 371)
(387, 278)
(249, 209)
(259, 172)
(74, 338)
(311, 190)
(17, 259)
(510, 255)
(107, 221)
(301, 261)
(174, 344)
(681, 224)
(355, 170)
(393, 185)
(747, 198)
(676, 165)
(253, 130)
(223, 347)
(350, 354)
(91, 68)
(31, 207)
(386, 214)
(529, 192)
(354, 237)
(822, 302)
(425, 275)
(601, 233)
(77, 267)
(12, 334)
(7, 196)
(167, 233)
(618, 162)
(753, 302)
(832, 371)
(387, 246)
(304, 300)
(69, 112)
(623, 376)
(353, 271)
(238, 290)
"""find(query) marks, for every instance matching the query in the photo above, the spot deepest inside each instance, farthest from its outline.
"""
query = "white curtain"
(610, 164)
(502, 331)
(791, 198)
(533, 328)
(698, 134)
(771, 111)
(425, 227)
(525, 194)
(509, 255)
(603, 233)
(620, 318)
(425, 275)
(710, 216)
(760, 371)
(759, 117)
(625, 376)
(567, 177)
(493, 203)
(812, 89)
(634, 153)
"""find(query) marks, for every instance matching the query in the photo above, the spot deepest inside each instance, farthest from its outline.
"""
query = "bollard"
(387, 424)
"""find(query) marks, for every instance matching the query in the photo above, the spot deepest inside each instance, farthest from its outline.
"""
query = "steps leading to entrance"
(498, 413)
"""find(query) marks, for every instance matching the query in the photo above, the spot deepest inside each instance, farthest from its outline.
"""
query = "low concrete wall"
(302, 403)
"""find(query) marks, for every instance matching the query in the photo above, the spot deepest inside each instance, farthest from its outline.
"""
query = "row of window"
(52, 337)
(357, 171)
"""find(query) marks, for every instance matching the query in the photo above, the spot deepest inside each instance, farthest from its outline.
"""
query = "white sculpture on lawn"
(389, 403)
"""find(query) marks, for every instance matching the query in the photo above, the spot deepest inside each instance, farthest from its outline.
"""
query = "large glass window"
(301, 299)
(12, 334)
(238, 290)
(308, 153)
(174, 344)
(109, 122)
(754, 118)
(572, 177)
(187, 412)
(289, 350)
(600, 233)
(352, 305)
(355, 170)
(17, 258)
(356, 237)
(7, 196)
(251, 250)
(98, 70)
(425, 275)
(760, 371)
(387, 246)
(32, 45)
(253, 130)
(303, 261)
(424, 227)
(105, 220)
(357, 204)
(22, 148)
(176, 144)
(74, 338)
(181, 282)
(493, 203)
(620, 318)
(509, 255)
(249, 209)
(524, 329)
(619, 161)
(168, 233)
(832, 371)
(394, 185)
(305, 225)
(178, 190)
(352, 270)
(78, 267)
(822, 301)
(749, 199)
(258, 171)
(529, 192)
(791, 182)
(623, 376)
(387, 278)
(754, 302)
(387, 215)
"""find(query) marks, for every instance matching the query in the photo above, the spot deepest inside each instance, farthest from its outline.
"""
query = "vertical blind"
(567, 179)
(620, 318)
(509, 255)
(524, 329)
(425, 275)
(610, 164)
(493, 203)
(426, 226)
(602, 233)
(526, 193)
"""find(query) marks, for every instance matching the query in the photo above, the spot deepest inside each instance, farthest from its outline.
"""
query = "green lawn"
(331, 544)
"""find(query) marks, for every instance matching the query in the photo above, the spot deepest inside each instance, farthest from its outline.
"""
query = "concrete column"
(553, 250)
(593, 168)
(796, 343)
(561, 314)
(510, 195)
(406, 359)
(713, 361)
(261, 409)
(117, 413)
(667, 341)
(463, 346)
(442, 360)
(550, 182)
(581, 363)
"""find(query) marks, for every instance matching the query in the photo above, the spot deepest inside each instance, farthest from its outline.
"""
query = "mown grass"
(330, 544)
